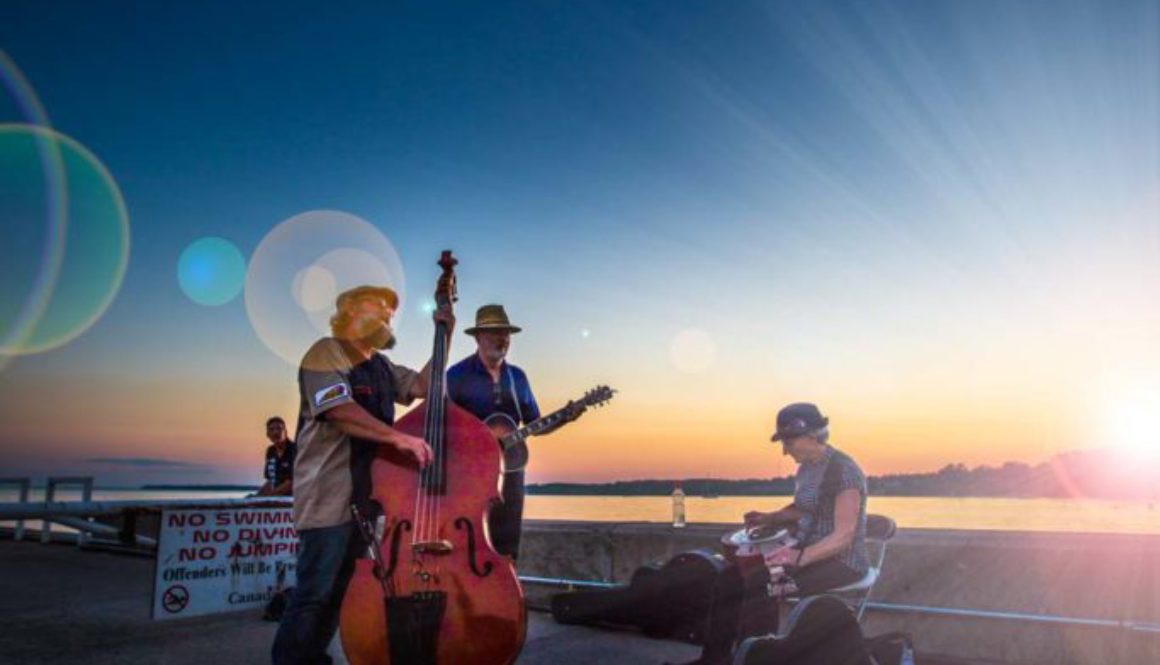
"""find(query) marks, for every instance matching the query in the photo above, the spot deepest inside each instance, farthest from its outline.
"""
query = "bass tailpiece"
(413, 626)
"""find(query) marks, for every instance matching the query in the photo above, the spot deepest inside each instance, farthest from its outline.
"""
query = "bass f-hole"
(464, 523)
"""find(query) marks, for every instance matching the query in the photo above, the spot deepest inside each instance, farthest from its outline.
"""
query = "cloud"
(148, 463)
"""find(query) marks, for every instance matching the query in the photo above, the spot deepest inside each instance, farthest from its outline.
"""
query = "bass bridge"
(436, 547)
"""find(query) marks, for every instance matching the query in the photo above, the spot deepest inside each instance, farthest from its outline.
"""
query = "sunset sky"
(938, 220)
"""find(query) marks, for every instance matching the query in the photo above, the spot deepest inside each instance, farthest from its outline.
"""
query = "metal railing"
(573, 584)
(79, 515)
(86, 485)
(1126, 624)
(37, 510)
(24, 484)
(1121, 624)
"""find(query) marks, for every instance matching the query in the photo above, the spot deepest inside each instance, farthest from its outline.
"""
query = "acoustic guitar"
(513, 440)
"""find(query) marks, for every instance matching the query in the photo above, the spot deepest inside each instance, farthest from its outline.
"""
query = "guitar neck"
(559, 417)
(539, 426)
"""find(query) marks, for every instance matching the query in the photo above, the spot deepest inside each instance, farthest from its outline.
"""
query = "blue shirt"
(469, 385)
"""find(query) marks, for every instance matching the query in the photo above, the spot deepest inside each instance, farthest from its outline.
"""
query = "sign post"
(222, 560)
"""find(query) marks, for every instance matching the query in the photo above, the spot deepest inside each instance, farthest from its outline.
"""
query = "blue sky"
(927, 216)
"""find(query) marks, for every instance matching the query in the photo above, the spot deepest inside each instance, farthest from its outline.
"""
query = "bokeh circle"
(299, 268)
(66, 242)
(211, 271)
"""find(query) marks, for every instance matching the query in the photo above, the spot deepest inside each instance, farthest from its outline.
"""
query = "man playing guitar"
(489, 387)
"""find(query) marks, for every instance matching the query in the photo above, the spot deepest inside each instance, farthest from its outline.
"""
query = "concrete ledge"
(1097, 576)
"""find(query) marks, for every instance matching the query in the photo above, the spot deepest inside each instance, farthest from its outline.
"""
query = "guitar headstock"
(597, 396)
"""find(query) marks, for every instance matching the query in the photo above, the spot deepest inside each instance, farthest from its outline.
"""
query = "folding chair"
(879, 530)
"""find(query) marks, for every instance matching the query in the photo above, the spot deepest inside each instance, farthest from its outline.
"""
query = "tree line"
(1078, 474)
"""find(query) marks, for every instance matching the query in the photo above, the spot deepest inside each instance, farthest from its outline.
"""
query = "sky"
(940, 221)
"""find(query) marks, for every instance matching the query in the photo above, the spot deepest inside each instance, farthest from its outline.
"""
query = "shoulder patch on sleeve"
(331, 393)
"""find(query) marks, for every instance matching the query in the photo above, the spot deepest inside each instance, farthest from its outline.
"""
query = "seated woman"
(828, 520)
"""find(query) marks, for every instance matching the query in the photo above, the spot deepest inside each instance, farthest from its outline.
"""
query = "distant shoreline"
(693, 488)
(200, 488)
(1083, 474)
(1067, 475)
(596, 489)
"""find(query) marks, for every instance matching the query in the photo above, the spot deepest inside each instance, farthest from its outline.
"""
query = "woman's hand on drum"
(787, 556)
(755, 518)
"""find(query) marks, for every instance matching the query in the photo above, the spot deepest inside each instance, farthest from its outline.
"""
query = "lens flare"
(301, 266)
(66, 244)
(32, 203)
(349, 267)
(21, 92)
(211, 271)
(315, 289)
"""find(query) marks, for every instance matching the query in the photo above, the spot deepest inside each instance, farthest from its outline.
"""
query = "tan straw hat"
(352, 295)
(491, 317)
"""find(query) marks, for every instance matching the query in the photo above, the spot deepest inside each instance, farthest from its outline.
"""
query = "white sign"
(222, 560)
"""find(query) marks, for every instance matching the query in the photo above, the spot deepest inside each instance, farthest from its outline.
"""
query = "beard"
(376, 334)
(495, 355)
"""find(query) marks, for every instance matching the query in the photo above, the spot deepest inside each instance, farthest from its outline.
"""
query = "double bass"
(433, 591)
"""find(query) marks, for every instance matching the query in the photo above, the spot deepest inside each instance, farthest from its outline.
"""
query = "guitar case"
(669, 601)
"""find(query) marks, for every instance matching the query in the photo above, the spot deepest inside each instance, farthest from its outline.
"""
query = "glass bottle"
(678, 507)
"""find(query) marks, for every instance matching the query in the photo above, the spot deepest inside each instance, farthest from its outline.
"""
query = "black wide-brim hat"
(798, 419)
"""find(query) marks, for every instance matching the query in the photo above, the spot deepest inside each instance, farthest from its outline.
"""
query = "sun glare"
(1134, 426)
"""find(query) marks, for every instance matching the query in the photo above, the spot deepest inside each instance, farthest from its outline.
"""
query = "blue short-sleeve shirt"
(470, 385)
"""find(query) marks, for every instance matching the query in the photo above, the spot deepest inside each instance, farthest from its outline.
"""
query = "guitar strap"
(827, 491)
(515, 398)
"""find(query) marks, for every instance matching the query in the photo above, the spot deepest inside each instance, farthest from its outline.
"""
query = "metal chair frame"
(879, 531)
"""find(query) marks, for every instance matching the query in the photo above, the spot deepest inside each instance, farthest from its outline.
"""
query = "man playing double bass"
(484, 384)
(348, 391)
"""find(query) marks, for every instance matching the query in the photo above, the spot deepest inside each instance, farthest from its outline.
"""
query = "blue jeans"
(325, 564)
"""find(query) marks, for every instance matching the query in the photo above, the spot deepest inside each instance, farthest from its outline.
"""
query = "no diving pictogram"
(175, 599)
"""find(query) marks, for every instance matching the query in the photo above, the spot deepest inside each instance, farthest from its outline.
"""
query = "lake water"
(1074, 515)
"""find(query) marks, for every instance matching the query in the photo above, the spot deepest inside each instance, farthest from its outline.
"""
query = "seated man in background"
(279, 460)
